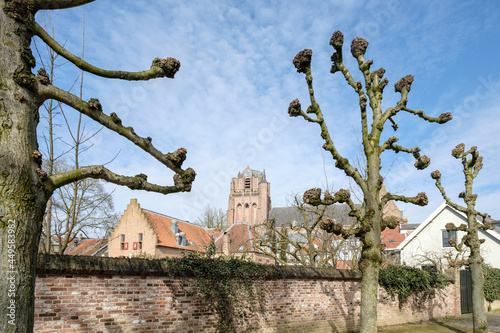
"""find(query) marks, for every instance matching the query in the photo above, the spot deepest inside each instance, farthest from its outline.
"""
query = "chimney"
(174, 227)
(182, 238)
(226, 244)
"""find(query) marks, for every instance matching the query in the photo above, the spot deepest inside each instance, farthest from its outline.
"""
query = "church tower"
(250, 198)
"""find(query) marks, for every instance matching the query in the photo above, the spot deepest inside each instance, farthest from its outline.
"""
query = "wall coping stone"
(85, 265)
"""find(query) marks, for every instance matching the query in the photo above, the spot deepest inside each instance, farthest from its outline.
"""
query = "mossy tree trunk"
(475, 222)
(24, 187)
(371, 222)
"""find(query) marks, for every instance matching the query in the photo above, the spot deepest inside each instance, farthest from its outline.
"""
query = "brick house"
(143, 232)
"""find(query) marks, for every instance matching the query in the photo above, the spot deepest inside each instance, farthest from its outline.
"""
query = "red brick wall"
(134, 303)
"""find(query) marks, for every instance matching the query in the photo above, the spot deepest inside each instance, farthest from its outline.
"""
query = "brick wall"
(74, 294)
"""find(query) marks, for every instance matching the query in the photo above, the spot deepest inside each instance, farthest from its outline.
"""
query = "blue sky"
(228, 103)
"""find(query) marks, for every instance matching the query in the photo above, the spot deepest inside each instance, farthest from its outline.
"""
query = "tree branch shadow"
(451, 328)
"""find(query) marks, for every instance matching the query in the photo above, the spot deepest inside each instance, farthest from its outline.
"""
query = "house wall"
(132, 222)
(428, 242)
(122, 295)
(168, 252)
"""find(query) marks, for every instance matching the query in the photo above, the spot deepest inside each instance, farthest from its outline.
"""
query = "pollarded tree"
(475, 221)
(370, 219)
(25, 188)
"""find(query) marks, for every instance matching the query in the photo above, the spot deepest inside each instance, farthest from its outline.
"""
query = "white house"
(428, 244)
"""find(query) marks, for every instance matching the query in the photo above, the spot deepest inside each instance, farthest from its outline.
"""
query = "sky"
(228, 103)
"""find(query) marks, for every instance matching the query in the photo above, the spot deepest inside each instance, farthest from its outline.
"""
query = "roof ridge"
(173, 218)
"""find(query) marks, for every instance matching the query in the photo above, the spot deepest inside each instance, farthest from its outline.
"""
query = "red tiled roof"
(343, 264)
(166, 237)
(85, 247)
(392, 238)
(239, 235)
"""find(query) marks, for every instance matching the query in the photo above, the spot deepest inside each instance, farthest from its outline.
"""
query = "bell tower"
(250, 198)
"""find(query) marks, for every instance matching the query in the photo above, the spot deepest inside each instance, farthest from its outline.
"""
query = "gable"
(427, 240)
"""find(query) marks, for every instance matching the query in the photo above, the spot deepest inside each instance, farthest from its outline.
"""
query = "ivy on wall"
(405, 281)
(491, 284)
(229, 286)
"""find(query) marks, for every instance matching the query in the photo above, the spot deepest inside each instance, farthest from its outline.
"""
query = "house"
(143, 232)
(428, 244)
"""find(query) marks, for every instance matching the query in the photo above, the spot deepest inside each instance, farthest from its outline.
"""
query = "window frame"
(122, 242)
(445, 240)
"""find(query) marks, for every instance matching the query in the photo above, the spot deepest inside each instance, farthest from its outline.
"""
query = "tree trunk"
(369, 264)
(369, 297)
(479, 320)
(22, 200)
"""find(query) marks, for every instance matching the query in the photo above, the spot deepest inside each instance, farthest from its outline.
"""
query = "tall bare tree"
(370, 219)
(25, 188)
(475, 221)
(212, 218)
(83, 206)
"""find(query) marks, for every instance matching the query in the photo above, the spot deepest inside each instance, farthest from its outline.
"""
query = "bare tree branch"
(59, 4)
(159, 68)
(443, 117)
(137, 182)
(420, 199)
(436, 175)
(93, 110)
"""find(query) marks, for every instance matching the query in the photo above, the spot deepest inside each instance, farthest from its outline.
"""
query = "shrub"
(491, 283)
(405, 281)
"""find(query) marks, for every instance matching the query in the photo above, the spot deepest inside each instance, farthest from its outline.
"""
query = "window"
(122, 244)
(447, 235)
(247, 183)
(140, 241)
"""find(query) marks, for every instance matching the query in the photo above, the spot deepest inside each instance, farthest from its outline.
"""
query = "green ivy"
(225, 284)
(405, 281)
(491, 284)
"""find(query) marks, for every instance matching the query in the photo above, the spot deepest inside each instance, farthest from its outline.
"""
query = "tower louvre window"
(247, 183)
